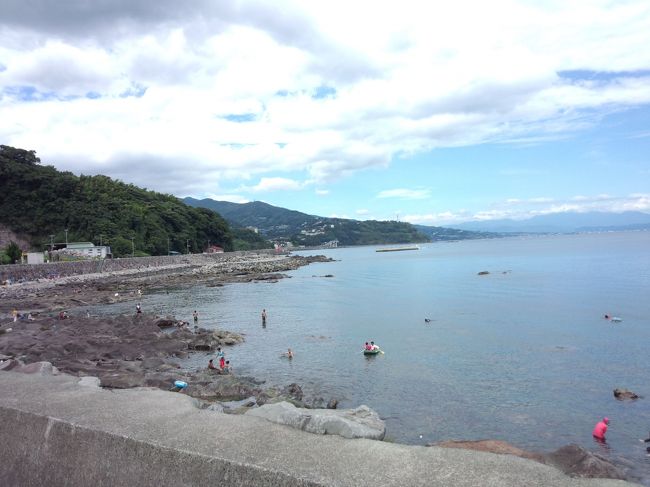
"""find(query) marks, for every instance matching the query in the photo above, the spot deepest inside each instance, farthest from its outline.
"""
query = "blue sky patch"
(135, 90)
(29, 93)
(240, 117)
(324, 92)
(587, 75)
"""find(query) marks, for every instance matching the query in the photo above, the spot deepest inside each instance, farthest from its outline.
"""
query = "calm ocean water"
(522, 354)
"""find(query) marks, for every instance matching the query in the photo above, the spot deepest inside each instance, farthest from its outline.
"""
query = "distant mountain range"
(570, 222)
(277, 223)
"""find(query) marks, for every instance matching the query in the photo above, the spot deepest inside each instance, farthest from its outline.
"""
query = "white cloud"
(322, 192)
(276, 184)
(240, 90)
(580, 204)
(405, 194)
(233, 198)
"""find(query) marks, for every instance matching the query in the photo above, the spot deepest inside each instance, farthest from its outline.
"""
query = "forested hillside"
(39, 201)
(303, 229)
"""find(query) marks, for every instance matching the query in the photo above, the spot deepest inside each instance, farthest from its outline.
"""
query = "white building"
(89, 249)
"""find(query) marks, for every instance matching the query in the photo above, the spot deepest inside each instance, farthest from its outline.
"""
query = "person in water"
(211, 364)
(138, 308)
(264, 317)
(600, 429)
(367, 346)
(227, 369)
(373, 346)
(288, 353)
(196, 316)
(222, 362)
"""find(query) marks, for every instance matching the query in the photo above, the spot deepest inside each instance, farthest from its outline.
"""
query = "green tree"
(12, 250)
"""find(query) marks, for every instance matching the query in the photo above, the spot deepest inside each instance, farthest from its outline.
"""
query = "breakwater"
(56, 431)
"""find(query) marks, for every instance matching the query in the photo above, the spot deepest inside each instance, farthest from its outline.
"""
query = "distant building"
(86, 250)
(215, 249)
(35, 257)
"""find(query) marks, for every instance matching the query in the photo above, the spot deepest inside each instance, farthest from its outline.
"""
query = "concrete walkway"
(54, 432)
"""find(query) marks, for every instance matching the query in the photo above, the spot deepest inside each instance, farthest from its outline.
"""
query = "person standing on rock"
(600, 429)
(219, 354)
(264, 317)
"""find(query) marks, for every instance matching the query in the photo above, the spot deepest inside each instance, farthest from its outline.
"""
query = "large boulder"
(216, 387)
(121, 379)
(575, 461)
(361, 422)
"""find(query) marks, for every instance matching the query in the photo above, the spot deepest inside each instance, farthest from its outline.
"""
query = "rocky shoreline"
(137, 351)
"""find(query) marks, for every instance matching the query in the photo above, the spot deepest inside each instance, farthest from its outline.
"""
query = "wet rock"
(167, 322)
(152, 363)
(622, 394)
(9, 364)
(214, 387)
(332, 403)
(293, 391)
(575, 461)
(361, 422)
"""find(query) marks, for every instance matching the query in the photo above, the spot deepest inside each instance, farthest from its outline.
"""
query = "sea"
(521, 354)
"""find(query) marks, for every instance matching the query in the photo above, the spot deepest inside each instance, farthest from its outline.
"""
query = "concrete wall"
(56, 432)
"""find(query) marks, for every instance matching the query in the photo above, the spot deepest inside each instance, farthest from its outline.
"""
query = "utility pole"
(167, 245)
(132, 247)
(51, 243)
(187, 243)
(66, 237)
(100, 240)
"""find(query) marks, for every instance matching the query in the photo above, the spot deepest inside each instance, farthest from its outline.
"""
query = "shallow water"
(522, 354)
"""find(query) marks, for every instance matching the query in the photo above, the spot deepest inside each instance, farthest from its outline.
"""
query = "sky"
(428, 112)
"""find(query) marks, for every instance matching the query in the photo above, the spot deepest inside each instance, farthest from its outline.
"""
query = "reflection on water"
(523, 356)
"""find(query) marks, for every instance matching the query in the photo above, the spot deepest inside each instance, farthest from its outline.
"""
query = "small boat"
(616, 319)
(376, 351)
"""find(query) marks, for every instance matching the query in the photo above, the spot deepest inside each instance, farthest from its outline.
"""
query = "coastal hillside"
(40, 203)
(302, 229)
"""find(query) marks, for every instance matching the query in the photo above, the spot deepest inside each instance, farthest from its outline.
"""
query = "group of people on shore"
(224, 365)
(21, 316)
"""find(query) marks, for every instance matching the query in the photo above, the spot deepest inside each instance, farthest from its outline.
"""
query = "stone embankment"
(24, 273)
(61, 430)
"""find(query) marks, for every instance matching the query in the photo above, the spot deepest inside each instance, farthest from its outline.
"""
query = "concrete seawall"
(55, 432)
